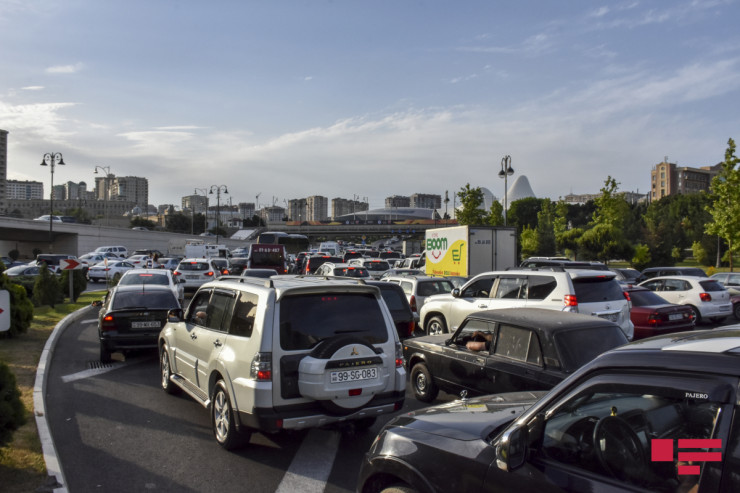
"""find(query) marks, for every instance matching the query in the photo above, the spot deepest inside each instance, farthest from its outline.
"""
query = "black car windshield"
(144, 278)
(193, 266)
(646, 298)
(149, 300)
(579, 346)
(306, 320)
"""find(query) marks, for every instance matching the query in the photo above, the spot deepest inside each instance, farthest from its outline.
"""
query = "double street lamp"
(106, 191)
(506, 171)
(52, 159)
(218, 189)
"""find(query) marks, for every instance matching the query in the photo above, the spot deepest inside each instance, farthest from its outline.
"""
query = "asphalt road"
(115, 430)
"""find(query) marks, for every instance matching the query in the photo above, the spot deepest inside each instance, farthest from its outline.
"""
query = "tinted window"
(198, 308)
(429, 288)
(511, 288)
(143, 278)
(479, 289)
(646, 298)
(395, 299)
(306, 320)
(377, 265)
(711, 286)
(579, 346)
(540, 287)
(144, 299)
(595, 289)
(675, 285)
(197, 266)
(218, 313)
(242, 323)
(470, 327)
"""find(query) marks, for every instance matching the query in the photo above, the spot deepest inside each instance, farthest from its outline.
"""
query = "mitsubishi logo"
(608, 306)
(354, 352)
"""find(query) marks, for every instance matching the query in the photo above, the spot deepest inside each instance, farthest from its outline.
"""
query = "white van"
(330, 247)
(118, 250)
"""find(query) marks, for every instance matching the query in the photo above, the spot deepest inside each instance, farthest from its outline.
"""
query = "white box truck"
(469, 250)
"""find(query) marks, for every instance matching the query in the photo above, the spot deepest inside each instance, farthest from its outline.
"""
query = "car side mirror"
(175, 315)
(97, 303)
(456, 293)
(511, 450)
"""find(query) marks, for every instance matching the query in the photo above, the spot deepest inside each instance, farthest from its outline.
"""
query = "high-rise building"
(668, 179)
(317, 208)
(25, 190)
(397, 201)
(297, 210)
(3, 164)
(247, 210)
(425, 201)
(195, 203)
(342, 207)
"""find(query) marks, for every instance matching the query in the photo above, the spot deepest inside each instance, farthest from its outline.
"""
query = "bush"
(21, 307)
(46, 290)
(79, 283)
(12, 412)
(14, 254)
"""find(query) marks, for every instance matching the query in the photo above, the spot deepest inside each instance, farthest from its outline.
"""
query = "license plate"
(145, 325)
(354, 375)
(724, 308)
(675, 316)
(192, 277)
(612, 317)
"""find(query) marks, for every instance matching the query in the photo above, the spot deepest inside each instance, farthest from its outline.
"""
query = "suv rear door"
(602, 296)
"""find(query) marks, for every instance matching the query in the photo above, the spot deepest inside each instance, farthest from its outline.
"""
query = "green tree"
(725, 206)
(546, 245)
(641, 257)
(178, 223)
(495, 214)
(523, 212)
(471, 212)
(142, 222)
(79, 282)
(700, 253)
(528, 242)
(46, 289)
(12, 412)
(605, 240)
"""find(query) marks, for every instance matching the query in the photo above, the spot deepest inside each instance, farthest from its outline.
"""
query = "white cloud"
(33, 88)
(65, 69)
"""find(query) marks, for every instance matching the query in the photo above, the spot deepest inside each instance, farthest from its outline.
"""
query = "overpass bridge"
(27, 235)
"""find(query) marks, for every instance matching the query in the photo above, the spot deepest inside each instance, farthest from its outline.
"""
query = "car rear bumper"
(715, 310)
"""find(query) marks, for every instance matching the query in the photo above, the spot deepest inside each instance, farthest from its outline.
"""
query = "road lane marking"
(90, 321)
(312, 465)
(92, 372)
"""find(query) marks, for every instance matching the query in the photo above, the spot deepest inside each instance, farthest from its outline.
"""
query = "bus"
(294, 243)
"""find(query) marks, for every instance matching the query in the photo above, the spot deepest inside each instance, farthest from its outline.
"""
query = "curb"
(56, 482)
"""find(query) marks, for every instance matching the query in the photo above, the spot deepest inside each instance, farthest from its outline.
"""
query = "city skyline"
(286, 99)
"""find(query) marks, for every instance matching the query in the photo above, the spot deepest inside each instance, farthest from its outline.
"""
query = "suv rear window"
(306, 320)
(595, 289)
(429, 288)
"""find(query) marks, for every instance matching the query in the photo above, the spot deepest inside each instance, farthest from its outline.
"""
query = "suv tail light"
(627, 296)
(261, 367)
(399, 355)
(705, 296)
(176, 273)
(412, 302)
(653, 318)
(209, 273)
(570, 300)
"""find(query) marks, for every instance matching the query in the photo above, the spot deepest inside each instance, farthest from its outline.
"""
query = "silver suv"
(418, 288)
(593, 292)
(284, 353)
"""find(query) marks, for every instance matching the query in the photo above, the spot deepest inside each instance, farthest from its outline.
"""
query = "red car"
(652, 315)
(735, 306)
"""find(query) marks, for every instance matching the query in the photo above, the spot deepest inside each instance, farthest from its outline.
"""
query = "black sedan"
(518, 349)
(131, 317)
(398, 305)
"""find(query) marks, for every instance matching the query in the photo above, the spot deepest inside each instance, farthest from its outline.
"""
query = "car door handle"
(481, 361)
(482, 305)
(193, 336)
(217, 343)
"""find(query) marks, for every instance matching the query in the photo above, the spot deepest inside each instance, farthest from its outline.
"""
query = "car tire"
(736, 310)
(105, 354)
(697, 314)
(222, 419)
(166, 372)
(425, 389)
(436, 325)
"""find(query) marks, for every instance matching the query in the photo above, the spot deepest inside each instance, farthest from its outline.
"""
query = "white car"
(112, 270)
(54, 219)
(90, 259)
(706, 297)
(196, 272)
(593, 292)
(159, 277)
(376, 266)
(139, 261)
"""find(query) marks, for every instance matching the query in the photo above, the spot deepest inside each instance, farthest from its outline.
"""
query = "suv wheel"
(425, 389)
(436, 326)
(166, 372)
(222, 419)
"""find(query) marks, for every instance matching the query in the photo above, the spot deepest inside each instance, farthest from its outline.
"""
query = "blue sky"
(347, 98)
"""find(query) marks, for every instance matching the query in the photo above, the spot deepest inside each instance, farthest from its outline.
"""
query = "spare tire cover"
(339, 366)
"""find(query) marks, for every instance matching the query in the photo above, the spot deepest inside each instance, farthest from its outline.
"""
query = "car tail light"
(705, 296)
(412, 302)
(176, 273)
(412, 328)
(225, 271)
(108, 323)
(399, 355)
(209, 273)
(570, 300)
(653, 318)
(627, 296)
(262, 367)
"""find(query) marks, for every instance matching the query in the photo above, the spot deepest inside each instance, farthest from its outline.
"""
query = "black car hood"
(470, 419)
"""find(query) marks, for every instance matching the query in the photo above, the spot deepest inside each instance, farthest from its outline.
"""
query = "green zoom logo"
(436, 244)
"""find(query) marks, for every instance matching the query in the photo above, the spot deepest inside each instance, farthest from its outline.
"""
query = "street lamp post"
(205, 215)
(218, 204)
(106, 191)
(52, 159)
(506, 171)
